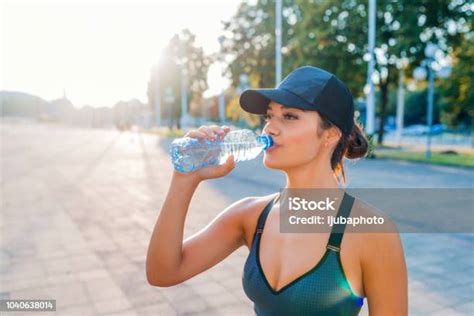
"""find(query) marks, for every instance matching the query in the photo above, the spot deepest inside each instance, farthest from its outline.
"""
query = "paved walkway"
(78, 207)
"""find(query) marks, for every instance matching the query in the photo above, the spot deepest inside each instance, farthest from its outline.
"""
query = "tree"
(457, 101)
(181, 50)
(333, 35)
(250, 42)
(339, 32)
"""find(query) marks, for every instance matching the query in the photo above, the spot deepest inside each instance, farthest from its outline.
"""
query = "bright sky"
(100, 52)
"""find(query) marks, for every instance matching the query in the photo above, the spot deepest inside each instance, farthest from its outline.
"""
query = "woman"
(310, 117)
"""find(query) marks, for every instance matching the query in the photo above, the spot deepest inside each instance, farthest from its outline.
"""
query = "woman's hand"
(211, 132)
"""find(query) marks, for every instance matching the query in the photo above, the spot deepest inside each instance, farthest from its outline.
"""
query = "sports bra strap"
(264, 214)
(334, 242)
(337, 231)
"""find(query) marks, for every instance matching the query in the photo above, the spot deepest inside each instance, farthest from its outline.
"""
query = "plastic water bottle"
(189, 154)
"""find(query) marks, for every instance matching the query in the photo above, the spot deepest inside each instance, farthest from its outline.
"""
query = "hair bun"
(358, 145)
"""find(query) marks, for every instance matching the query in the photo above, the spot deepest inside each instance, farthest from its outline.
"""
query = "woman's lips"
(273, 148)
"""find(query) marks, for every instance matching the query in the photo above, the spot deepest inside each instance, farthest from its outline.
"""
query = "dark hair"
(352, 146)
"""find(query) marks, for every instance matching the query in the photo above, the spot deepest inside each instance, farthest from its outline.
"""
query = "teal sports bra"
(323, 290)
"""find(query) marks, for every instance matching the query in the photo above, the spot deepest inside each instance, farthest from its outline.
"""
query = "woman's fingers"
(212, 172)
(195, 134)
(217, 131)
(222, 130)
(227, 167)
(207, 130)
(214, 131)
(211, 132)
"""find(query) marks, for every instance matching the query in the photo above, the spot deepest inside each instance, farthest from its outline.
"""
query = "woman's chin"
(272, 163)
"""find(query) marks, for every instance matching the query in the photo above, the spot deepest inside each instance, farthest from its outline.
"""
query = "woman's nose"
(271, 129)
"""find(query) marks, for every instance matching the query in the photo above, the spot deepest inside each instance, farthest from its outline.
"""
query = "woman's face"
(295, 137)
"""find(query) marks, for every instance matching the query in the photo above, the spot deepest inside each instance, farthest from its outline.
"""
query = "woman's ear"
(332, 136)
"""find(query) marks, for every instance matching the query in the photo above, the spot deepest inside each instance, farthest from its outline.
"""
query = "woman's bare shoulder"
(380, 233)
(253, 203)
(248, 211)
(248, 205)
(376, 219)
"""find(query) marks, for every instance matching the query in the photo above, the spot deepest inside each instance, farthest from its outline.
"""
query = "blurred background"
(93, 92)
(164, 66)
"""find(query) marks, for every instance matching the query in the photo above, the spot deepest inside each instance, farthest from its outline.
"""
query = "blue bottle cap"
(266, 140)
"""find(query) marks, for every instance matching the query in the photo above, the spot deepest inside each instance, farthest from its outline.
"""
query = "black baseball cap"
(307, 88)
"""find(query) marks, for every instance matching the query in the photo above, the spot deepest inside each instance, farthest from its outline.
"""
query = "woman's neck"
(313, 175)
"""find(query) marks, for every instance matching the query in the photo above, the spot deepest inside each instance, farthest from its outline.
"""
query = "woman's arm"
(165, 248)
(385, 275)
(170, 261)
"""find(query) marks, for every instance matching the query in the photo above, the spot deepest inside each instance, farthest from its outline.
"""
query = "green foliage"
(457, 101)
(235, 113)
(251, 41)
(333, 35)
(416, 107)
(328, 35)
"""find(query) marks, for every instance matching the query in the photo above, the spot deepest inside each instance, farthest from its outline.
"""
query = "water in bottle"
(189, 154)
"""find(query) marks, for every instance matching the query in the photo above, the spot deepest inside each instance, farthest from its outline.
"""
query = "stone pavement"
(78, 207)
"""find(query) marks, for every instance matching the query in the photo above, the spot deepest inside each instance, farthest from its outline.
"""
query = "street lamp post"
(169, 100)
(431, 50)
(402, 64)
(222, 94)
(430, 108)
(184, 97)
(157, 97)
(370, 104)
(278, 8)
(184, 119)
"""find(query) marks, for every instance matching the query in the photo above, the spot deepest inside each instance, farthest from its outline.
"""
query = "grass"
(439, 158)
(172, 133)
(165, 132)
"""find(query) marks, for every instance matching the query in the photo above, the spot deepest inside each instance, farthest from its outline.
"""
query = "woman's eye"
(290, 116)
(286, 116)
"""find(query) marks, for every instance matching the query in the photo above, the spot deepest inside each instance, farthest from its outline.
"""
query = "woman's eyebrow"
(294, 109)
(281, 107)
(288, 109)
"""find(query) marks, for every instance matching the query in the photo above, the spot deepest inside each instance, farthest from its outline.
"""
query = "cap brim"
(256, 100)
